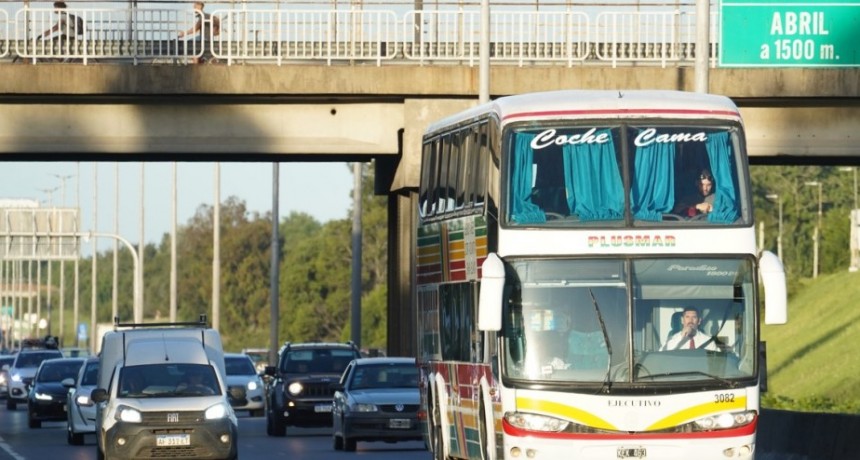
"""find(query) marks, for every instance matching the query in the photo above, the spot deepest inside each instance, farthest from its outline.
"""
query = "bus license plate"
(399, 423)
(631, 452)
(322, 408)
(164, 440)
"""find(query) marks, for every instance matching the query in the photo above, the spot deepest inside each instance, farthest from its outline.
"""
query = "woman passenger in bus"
(701, 201)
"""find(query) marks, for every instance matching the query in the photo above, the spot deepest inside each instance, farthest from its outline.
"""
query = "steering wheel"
(553, 215)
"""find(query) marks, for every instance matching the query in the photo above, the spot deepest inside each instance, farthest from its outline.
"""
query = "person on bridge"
(210, 26)
(68, 27)
(690, 337)
(700, 202)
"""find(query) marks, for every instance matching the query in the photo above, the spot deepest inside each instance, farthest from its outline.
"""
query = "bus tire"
(436, 438)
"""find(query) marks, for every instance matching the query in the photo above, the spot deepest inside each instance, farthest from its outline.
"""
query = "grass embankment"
(814, 359)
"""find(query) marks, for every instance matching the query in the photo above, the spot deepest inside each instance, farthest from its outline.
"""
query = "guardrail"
(278, 36)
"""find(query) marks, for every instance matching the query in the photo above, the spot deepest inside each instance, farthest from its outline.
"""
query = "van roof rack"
(201, 322)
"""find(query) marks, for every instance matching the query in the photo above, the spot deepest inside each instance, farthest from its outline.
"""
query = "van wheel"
(349, 445)
(34, 423)
(336, 442)
(11, 405)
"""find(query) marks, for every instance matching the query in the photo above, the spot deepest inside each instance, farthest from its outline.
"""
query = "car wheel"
(336, 442)
(32, 423)
(349, 444)
(10, 405)
(74, 439)
(100, 455)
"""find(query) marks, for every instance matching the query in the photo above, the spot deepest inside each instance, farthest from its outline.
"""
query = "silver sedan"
(376, 399)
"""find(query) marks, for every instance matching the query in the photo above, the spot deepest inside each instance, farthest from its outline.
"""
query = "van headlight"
(218, 411)
(127, 414)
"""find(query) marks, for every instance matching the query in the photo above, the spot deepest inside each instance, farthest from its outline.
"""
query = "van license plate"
(631, 452)
(166, 440)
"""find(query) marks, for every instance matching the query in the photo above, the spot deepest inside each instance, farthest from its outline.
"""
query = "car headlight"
(16, 377)
(83, 400)
(723, 421)
(2, 378)
(363, 407)
(128, 414)
(535, 422)
(252, 385)
(295, 388)
(218, 411)
(43, 396)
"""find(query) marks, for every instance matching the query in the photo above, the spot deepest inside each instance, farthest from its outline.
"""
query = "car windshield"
(578, 321)
(34, 359)
(374, 376)
(239, 366)
(58, 371)
(322, 361)
(168, 380)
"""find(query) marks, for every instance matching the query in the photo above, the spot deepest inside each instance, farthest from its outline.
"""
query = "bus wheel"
(436, 435)
(486, 453)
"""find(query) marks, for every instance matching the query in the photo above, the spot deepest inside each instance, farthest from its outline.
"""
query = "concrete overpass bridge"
(358, 100)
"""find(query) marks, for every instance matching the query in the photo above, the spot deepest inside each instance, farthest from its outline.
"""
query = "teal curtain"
(652, 193)
(523, 211)
(726, 209)
(595, 190)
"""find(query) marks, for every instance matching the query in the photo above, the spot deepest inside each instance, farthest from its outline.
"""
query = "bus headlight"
(724, 421)
(535, 422)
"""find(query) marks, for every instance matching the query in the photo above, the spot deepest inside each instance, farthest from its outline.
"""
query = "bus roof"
(598, 104)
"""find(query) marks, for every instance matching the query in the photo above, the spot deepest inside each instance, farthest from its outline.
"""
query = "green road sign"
(790, 33)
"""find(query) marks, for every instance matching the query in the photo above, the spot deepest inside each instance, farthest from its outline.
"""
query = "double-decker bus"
(572, 301)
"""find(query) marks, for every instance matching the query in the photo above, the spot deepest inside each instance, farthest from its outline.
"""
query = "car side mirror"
(5, 367)
(270, 371)
(68, 382)
(337, 386)
(99, 395)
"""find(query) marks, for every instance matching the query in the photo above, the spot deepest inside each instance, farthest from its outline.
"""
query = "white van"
(162, 393)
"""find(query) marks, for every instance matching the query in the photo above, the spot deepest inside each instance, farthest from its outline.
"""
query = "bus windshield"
(629, 321)
(617, 175)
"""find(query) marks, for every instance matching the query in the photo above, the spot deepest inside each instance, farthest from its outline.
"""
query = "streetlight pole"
(774, 196)
(854, 218)
(817, 235)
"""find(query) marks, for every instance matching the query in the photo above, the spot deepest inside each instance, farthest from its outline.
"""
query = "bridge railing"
(287, 35)
(276, 36)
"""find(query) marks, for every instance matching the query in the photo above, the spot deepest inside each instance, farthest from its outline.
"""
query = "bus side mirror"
(491, 293)
(775, 294)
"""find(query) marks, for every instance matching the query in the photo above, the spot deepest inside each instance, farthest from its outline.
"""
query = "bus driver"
(690, 337)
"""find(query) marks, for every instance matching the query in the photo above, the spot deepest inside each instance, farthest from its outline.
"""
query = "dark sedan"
(47, 398)
(376, 400)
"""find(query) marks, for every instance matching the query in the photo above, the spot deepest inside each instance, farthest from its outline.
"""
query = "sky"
(322, 190)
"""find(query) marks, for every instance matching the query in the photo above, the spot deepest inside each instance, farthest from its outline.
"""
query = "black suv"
(301, 392)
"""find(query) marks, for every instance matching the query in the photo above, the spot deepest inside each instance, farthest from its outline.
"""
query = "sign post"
(789, 33)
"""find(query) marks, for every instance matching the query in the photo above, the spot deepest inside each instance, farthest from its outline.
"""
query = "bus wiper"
(606, 382)
(726, 382)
